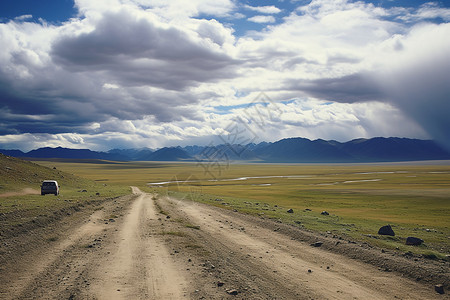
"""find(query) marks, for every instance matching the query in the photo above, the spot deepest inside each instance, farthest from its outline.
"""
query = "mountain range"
(291, 150)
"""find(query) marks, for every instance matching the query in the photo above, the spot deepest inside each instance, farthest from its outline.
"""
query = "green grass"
(414, 199)
(196, 227)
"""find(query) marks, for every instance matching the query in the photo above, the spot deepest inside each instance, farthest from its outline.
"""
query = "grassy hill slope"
(21, 205)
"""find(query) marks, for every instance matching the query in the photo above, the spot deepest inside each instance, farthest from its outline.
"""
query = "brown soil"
(139, 247)
(27, 191)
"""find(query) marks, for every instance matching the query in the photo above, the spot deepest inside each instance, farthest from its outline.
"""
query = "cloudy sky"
(151, 73)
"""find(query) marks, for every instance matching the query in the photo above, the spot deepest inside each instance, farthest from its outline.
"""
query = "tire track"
(140, 266)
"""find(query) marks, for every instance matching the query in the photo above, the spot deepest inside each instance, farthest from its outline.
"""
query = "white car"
(49, 187)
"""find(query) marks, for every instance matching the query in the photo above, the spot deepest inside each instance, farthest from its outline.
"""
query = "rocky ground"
(144, 247)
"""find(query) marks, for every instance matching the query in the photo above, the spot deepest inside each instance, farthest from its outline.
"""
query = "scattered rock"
(325, 213)
(167, 217)
(439, 288)
(317, 244)
(307, 209)
(386, 230)
(413, 241)
(407, 254)
(290, 210)
(97, 194)
(309, 271)
(297, 222)
(220, 283)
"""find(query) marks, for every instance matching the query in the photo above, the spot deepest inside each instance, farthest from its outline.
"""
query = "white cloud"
(23, 17)
(427, 11)
(264, 9)
(182, 9)
(262, 19)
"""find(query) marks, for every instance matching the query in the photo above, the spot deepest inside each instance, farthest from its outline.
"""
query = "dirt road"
(140, 247)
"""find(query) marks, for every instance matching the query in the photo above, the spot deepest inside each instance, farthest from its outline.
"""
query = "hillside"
(22, 208)
(15, 174)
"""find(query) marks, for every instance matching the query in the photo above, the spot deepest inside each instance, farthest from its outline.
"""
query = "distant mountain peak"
(288, 150)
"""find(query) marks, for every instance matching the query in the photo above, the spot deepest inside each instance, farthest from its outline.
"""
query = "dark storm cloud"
(415, 79)
(421, 89)
(134, 51)
(350, 88)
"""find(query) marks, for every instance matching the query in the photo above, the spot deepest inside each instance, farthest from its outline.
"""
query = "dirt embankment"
(140, 247)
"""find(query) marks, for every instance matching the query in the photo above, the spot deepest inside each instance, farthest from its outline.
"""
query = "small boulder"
(290, 210)
(413, 241)
(439, 288)
(232, 292)
(325, 213)
(386, 230)
(317, 244)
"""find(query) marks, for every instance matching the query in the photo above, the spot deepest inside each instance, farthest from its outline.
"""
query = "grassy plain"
(413, 198)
